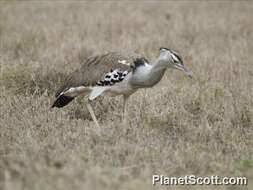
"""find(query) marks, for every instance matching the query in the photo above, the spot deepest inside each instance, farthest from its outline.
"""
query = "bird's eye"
(177, 59)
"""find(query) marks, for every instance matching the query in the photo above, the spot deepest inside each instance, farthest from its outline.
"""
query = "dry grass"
(202, 126)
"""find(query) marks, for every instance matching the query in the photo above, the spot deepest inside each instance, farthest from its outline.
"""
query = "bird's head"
(173, 60)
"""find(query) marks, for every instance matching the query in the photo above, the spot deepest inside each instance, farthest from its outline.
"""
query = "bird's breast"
(146, 77)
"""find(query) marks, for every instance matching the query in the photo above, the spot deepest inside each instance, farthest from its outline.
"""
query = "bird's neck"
(149, 76)
(156, 72)
(159, 65)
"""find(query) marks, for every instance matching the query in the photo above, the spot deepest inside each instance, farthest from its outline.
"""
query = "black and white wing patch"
(112, 77)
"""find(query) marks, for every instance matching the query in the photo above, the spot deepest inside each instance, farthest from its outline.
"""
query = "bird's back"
(95, 67)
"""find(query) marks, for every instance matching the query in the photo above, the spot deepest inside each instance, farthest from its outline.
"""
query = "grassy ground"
(202, 126)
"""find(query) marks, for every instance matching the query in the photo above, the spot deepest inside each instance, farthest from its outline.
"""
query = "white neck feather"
(149, 75)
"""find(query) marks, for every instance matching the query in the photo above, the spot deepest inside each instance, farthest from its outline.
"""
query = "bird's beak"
(187, 72)
(184, 69)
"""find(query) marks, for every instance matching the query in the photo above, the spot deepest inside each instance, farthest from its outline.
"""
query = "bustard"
(117, 74)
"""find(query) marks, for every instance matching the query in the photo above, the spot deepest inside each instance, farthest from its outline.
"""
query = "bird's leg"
(125, 113)
(93, 115)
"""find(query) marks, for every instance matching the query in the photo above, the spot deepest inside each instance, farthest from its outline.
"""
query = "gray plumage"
(117, 74)
(94, 67)
(93, 70)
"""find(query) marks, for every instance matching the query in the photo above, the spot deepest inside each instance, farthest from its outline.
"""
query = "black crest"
(175, 54)
(164, 48)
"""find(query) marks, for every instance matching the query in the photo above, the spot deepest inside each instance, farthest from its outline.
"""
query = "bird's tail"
(62, 101)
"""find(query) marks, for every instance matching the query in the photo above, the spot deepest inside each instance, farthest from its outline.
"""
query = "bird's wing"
(100, 70)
